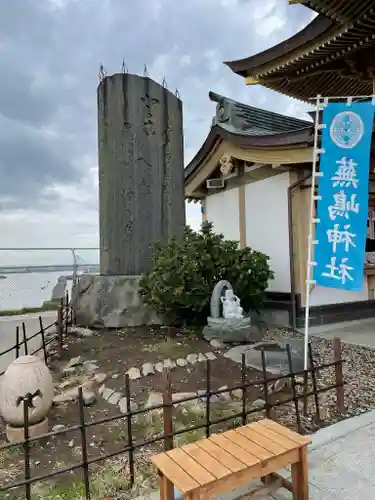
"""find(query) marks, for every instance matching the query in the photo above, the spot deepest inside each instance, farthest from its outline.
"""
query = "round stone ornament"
(27, 376)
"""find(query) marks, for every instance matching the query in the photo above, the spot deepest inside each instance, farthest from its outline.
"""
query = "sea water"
(18, 290)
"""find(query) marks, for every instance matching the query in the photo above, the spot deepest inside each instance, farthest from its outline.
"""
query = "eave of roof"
(320, 41)
(248, 127)
(343, 11)
(254, 64)
(297, 138)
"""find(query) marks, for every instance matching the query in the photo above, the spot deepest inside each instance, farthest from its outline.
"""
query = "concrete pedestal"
(231, 330)
(111, 302)
(15, 434)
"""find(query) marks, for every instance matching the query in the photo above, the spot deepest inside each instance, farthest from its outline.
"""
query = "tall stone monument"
(141, 195)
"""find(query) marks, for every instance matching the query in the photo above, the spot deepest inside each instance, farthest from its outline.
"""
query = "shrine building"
(252, 175)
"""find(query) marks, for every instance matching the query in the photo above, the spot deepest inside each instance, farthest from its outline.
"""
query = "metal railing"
(36, 278)
(51, 333)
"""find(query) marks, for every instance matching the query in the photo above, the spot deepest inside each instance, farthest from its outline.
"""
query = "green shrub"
(184, 274)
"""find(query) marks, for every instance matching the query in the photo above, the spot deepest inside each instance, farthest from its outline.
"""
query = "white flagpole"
(312, 221)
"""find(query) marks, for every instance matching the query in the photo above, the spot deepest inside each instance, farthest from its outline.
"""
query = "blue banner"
(339, 252)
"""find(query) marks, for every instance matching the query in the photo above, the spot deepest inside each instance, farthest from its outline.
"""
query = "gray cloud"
(50, 51)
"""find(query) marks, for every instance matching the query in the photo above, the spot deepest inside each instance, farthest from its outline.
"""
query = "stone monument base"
(231, 330)
(15, 434)
(111, 302)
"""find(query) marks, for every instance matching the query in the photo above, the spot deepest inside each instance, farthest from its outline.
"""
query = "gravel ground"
(359, 376)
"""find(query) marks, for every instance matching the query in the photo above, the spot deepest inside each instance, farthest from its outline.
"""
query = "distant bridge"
(47, 269)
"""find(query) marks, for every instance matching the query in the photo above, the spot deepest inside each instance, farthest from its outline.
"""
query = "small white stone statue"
(29, 377)
(231, 305)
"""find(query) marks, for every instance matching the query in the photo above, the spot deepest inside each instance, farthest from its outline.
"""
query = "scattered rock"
(75, 362)
(201, 357)
(217, 344)
(210, 355)
(169, 364)
(154, 399)
(181, 362)
(81, 332)
(101, 390)
(159, 367)
(258, 403)
(279, 385)
(148, 369)
(69, 395)
(58, 427)
(90, 367)
(71, 443)
(192, 358)
(122, 404)
(87, 385)
(224, 396)
(68, 383)
(134, 373)
(196, 407)
(115, 376)
(69, 369)
(201, 393)
(237, 393)
(99, 378)
(115, 398)
(179, 396)
(89, 398)
(107, 393)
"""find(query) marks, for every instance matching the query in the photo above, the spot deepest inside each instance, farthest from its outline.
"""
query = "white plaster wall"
(321, 295)
(267, 225)
(222, 211)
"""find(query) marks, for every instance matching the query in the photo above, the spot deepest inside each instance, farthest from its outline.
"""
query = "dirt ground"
(113, 353)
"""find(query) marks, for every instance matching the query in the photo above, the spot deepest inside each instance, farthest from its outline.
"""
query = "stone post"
(141, 171)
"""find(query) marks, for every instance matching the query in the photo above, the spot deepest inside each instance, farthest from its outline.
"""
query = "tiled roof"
(249, 127)
(238, 118)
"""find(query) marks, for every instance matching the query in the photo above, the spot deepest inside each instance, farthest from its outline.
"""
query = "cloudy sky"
(50, 53)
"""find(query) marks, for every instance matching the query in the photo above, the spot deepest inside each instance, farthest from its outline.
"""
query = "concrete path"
(360, 332)
(341, 464)
(8, 326)
(341, 461)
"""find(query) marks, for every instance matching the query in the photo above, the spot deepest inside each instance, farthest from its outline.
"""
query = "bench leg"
(166, 488)
(300, 477)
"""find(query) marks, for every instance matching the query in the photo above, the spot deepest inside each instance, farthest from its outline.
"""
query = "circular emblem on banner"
(346, 129)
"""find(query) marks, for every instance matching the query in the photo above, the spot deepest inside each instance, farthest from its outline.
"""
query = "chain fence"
(36, 279)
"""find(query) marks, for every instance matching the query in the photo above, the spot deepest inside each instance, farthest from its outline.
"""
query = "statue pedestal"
(231, 330)
(111, 302)
(15, 434)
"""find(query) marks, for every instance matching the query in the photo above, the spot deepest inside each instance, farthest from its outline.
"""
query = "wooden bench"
(215, 465)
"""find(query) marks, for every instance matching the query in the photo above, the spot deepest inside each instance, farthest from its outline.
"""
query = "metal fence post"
(339, 376)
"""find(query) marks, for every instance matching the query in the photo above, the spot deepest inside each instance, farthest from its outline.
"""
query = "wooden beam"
(242, 214)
